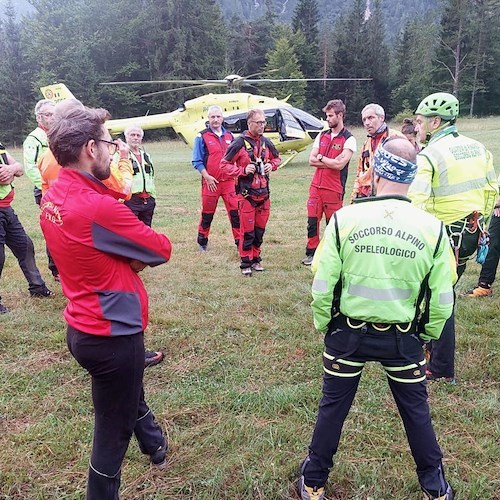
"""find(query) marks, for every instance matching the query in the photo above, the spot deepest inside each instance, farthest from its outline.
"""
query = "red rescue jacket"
(244, 150)
(215, 148)
(327, 178)
(93, 239)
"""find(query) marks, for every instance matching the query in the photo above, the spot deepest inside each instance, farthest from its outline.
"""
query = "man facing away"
(35, 145)
(455, 182)
(210, 146)
(373, 117)
(330, 156)
(378, 258)
(250, 159)
(99, 247)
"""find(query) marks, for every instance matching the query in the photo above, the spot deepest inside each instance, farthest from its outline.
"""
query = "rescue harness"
(244, 185)
(472, 223)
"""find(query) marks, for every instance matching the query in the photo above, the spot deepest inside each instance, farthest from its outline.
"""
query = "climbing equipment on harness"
(472, 223)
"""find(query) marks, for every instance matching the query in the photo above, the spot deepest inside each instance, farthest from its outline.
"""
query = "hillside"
(396, 13)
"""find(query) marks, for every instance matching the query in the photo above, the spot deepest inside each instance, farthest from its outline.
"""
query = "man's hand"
(122, 148)
(211, 182)
(7, 174)
(268, 168)
(137, 265)
(250, 169)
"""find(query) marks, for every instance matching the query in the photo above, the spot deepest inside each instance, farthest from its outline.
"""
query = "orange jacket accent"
(119, 181)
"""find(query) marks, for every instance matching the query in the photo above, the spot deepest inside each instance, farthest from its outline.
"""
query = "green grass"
(240, 385)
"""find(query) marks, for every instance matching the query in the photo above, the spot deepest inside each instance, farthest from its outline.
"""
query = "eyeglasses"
(112, 146)
(261, 122)
(47, 113)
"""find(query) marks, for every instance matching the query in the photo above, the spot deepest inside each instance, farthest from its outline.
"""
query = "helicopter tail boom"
(147, 122)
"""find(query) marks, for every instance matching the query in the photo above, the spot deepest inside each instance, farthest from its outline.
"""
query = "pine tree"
(305, 25)
(411, 72)
(282, 62)
(16, 100)
(351, 59)
(455, 45)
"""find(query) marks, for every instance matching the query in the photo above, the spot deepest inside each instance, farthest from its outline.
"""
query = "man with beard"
(330, 156)
(99, 247)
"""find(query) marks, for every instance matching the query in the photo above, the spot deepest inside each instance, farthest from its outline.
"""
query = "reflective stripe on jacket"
(143, 179)
(375, 266)
(455, 177)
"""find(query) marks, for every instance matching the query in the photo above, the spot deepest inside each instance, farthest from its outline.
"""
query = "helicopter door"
(289, 127)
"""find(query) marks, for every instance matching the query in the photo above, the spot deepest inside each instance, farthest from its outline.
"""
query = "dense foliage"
(82, 43)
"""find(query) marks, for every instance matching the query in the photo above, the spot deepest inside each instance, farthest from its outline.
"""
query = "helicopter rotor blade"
(204, 85)
(278, 80)
(259, 73)
(142, 82)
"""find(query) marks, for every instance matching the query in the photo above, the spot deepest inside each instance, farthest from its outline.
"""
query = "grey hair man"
(210, 146)
(36, 145)
(143, 200)
(373, 118)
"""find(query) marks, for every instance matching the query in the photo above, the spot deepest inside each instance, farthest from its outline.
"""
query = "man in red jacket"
(99, 246)
(209, 148)
(330, 156)
(250, 159)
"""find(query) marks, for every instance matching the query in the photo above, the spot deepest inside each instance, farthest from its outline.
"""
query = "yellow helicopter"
(291, 129)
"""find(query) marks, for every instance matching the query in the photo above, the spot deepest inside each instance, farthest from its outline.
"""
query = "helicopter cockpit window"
(309, 121)
(238, 123)
(289, 127)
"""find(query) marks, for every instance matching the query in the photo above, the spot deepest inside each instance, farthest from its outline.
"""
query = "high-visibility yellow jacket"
(376, 258)
(34, 147)
(143, 179)
(455, 177)
(5, 189)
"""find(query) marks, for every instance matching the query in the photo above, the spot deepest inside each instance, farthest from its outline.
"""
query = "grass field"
(239, 388)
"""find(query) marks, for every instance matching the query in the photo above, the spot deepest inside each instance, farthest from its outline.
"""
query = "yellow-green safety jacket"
(376, 260)
(455, 177)
(34, 147)
(5, 189)
(143, 179)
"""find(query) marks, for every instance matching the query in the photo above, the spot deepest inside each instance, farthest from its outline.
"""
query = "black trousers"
(489, 268)
(116, 365)
(14, 236)
(442, 351)
(402, 357)
(143, 208)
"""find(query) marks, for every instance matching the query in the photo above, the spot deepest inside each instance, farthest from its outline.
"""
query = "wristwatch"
(320, 158)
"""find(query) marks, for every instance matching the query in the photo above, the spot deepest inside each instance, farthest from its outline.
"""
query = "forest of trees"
(83, 43)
